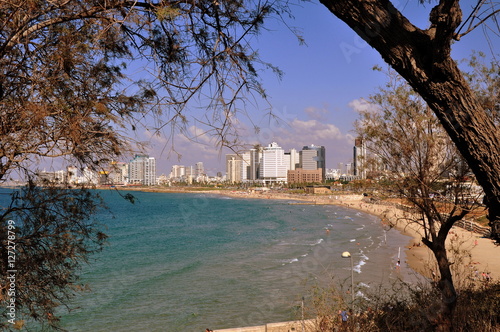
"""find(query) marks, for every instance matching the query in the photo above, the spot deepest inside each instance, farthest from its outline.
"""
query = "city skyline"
(325, 82)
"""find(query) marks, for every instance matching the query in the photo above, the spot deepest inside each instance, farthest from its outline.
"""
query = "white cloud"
(316, 113)
(316, 130)
(155, 137)
(197, 145)
(300, 133)
(362, 105)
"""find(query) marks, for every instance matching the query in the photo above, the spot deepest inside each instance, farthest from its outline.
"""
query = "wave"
(372, 242)
(317, 242)
(361, 294)
(357, 268)
(362, 262)
(289, 261)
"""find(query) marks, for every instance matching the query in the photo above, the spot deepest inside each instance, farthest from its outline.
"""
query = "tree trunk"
(422, 57)
(442, 317)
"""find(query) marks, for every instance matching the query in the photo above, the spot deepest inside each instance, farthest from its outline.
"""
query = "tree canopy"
(423, 58)
(69, 89)
(69, 85)
(68, 71)
(410, 149)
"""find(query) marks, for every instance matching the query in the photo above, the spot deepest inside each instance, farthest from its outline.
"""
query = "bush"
(410, 308)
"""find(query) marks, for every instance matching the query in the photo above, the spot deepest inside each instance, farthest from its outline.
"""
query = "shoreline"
(482, 251)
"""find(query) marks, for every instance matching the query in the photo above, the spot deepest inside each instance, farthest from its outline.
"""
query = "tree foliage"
(52, 236)
(76, 78)
(411, 149)
(483, 77)
(423, 58)
(93, 65)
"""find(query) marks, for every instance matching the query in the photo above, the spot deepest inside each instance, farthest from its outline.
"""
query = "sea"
(189, 261)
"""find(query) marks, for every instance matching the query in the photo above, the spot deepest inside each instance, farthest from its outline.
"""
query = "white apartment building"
(199, 169)
(72, 174)
(246, 166)
(142, 170)
(294, 159)
(89, 176)
(274, 165)
(177, 172)
(119, 173)
(333, 174)
(233, 168)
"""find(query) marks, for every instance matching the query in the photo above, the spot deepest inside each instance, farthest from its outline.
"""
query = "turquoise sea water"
(184, 262)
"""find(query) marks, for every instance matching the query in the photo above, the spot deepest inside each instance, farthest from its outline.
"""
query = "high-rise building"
(246, 166)
(308, 159)
(273, 165)
(312, 157)
(359, 157)
(142, 170)
(89, 176)
(117, 173)
(348, 169)
(294, 159)
(200, 169)
(233, 168)
(177, 172)
(190, 172)
(255, 156)
(342, 168)
(72, 174)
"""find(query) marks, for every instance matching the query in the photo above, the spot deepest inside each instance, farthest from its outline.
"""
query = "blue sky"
(323, 84)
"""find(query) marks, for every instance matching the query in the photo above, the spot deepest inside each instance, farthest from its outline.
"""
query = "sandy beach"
(479, 255)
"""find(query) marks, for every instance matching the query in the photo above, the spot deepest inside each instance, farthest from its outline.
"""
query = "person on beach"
(344, 316)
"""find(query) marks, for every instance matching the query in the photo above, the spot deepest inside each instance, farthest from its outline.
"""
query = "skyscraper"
(359, 158)
(312, 157)
(246, 166)
(294, 159)
(273, 165)
(200, 169)
(233, 168)
(255, 156)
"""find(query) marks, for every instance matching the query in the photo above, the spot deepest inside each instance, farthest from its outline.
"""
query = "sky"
(324, 83)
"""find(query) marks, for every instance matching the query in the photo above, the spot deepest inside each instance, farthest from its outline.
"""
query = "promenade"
(309, 325)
